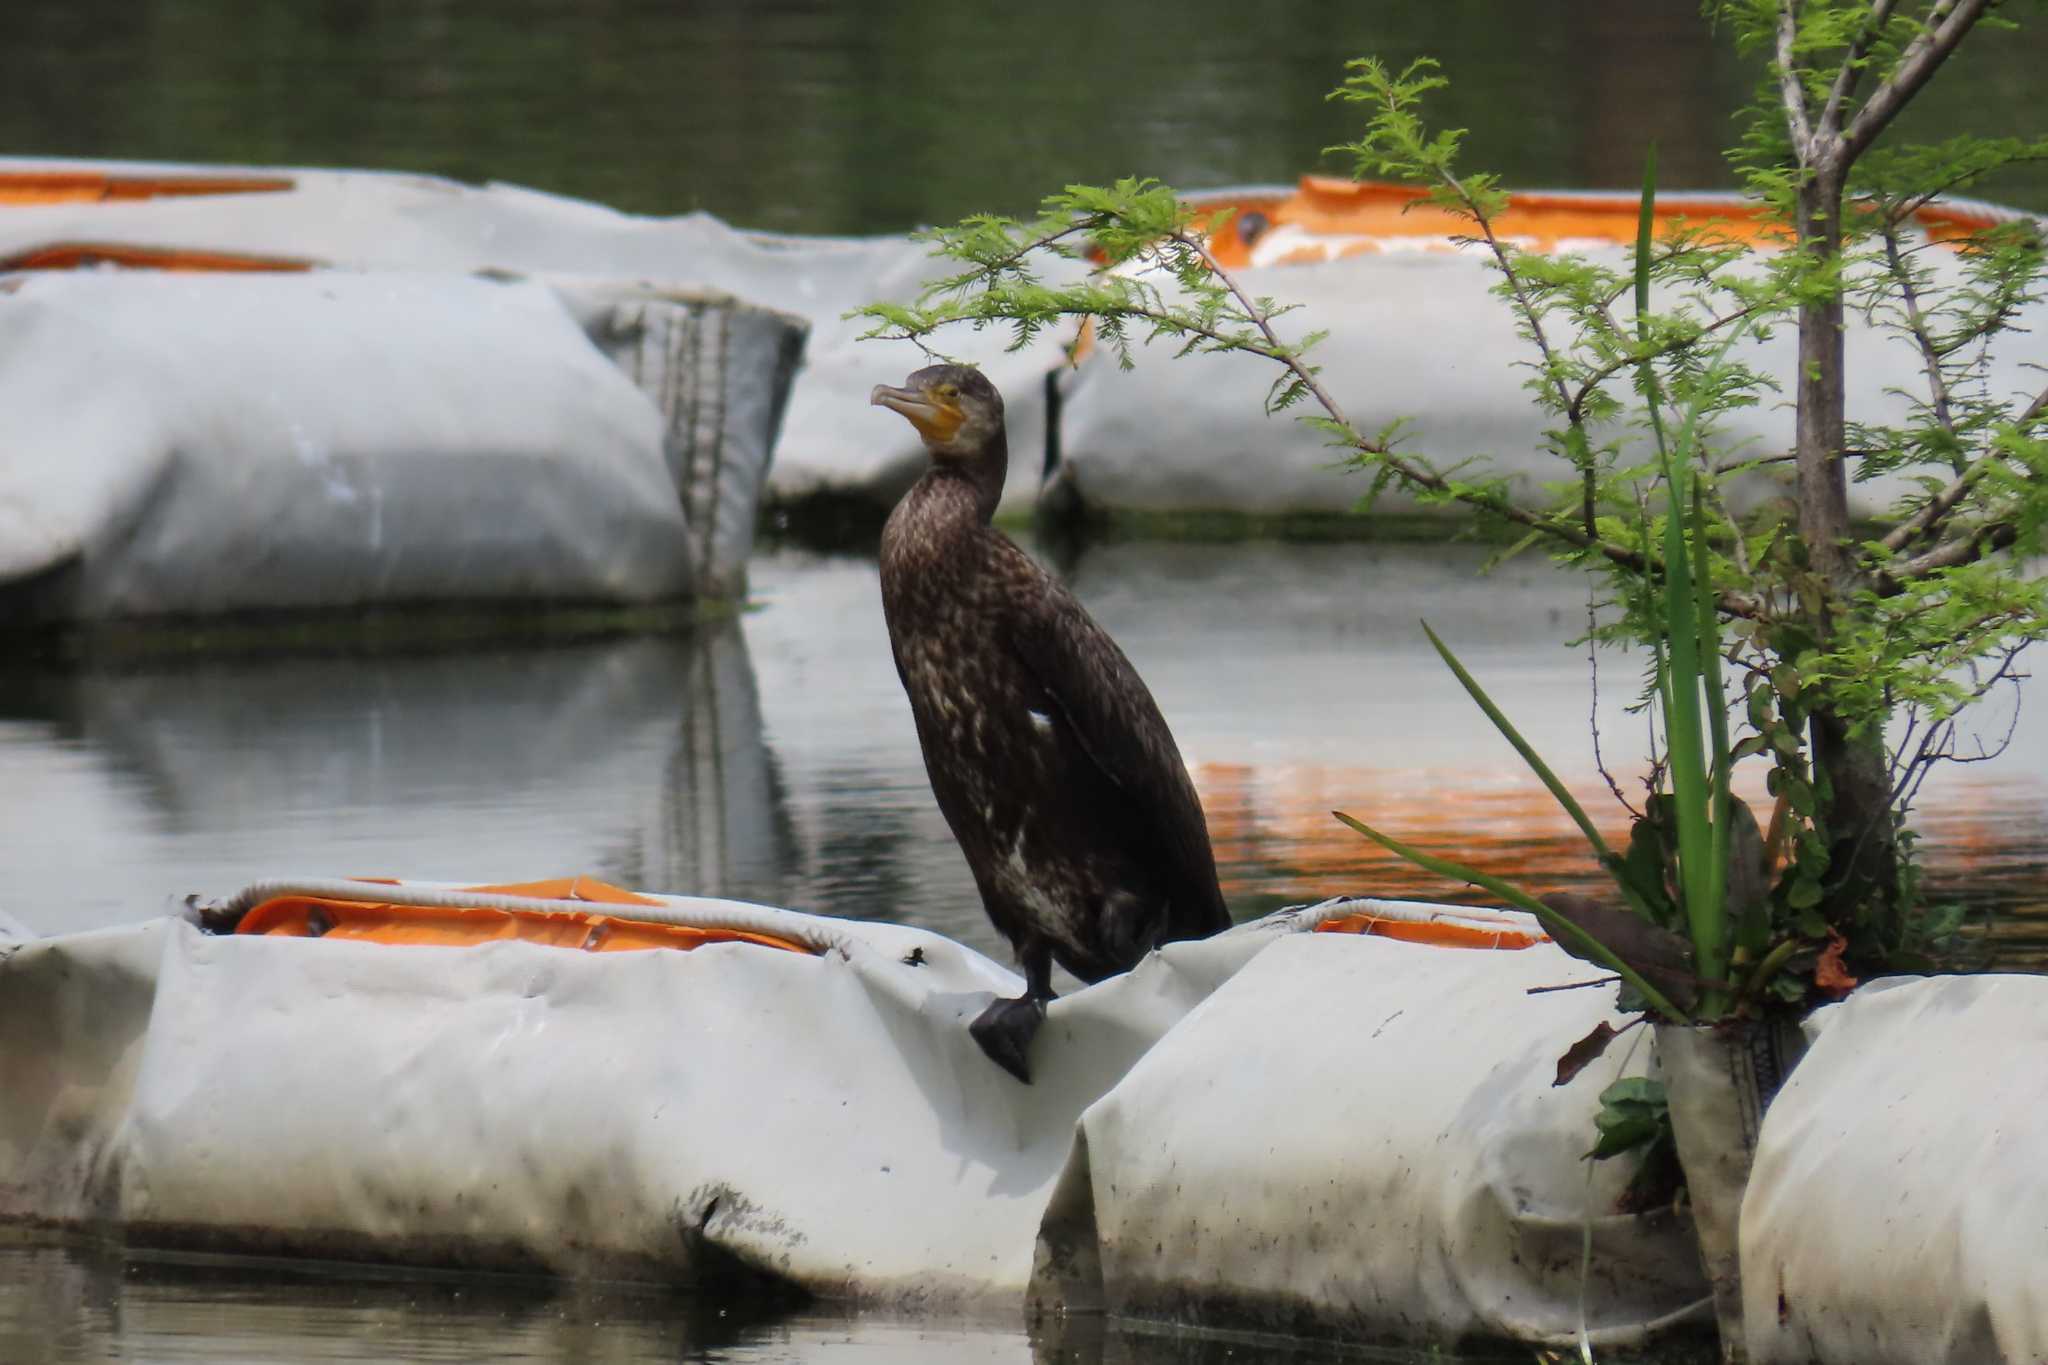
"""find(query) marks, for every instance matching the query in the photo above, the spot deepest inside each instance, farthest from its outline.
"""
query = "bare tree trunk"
(1823, 481)
(1854, 778)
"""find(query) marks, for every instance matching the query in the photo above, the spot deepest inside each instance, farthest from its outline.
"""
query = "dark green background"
(869, 117)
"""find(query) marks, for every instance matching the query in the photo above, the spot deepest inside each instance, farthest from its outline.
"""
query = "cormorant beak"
(936, 420)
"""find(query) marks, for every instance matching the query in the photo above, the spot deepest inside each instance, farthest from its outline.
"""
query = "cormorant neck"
(985, 473)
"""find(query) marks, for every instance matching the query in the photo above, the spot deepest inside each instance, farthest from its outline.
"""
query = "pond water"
(874, 115)
(772, 757)
(69, 1301)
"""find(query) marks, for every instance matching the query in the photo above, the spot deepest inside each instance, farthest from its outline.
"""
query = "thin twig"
(1963, 549)
(1905, 795)
(1944, 502)
(1614, 367)
(1901, 771)
(2035, 410)
(1580, 986)
(1924, 758)
(1916, 323)
(1516, 287)
(1940, 505)
(1279, 350)
(1899, 763)
(1593, 719)
(960, 283)
(1730, 466)
(1791, 93)
(1900, 210)
(1735, 604)
(1945, 26)
(1852, 66)
(1907, 775)
(2003, 673)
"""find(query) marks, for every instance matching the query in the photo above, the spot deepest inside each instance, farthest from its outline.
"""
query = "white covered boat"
(1416, 335)
(1339, 1120)
(755, 292)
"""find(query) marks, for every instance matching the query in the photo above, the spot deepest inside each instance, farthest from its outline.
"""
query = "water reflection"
(799, 115)
(1298, 682)
(639, 760)
(64, 1301)
(773, 758)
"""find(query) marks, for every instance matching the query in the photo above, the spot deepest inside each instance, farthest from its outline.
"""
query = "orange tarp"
(396, 922)
(1367, 210)
(1436, 933)
(91, 187)
(18, 188)
(76, 255)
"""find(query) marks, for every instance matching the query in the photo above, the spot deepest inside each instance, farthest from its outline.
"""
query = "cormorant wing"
(1118, 725)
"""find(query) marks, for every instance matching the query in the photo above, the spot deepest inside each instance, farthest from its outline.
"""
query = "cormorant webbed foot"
(1005, 1030)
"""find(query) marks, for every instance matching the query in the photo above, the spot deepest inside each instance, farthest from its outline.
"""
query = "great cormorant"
(1048, 756)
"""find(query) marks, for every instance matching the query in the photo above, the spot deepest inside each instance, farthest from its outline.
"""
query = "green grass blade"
(1692, 627)
(1630, 892)
(1684, 735)
(1514, 737)
(1557, 925)
(1646, 230)
(1708, 623)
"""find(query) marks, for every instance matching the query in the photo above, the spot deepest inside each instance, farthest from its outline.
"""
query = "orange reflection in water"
(1274, 834)
(1276, 840)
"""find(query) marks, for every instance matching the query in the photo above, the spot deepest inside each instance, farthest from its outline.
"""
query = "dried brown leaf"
(1585, 1052)
(1829, 974)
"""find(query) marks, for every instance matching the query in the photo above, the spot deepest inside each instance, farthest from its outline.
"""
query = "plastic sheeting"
(1360, 1136)
(831, 441)
(1413, 335)
(181, 444)
(1896, 1210)
(719, 372)
(826, 1121)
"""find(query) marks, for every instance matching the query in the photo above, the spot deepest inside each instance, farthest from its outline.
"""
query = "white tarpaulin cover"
(1415, 335)
(1897, 1210)
(831, 441)
(1361, 1136)
(822, 1119)
(208, 443)
(826, 1120)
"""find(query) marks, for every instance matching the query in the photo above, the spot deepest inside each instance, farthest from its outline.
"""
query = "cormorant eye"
(948, 391)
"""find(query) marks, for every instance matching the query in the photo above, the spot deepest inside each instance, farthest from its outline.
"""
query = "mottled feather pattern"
(1048, 757)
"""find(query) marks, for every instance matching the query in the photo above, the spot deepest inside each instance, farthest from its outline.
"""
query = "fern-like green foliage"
(1892, 639)
(1151, 279)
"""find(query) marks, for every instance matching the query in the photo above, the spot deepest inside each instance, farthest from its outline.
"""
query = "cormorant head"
(956, 410)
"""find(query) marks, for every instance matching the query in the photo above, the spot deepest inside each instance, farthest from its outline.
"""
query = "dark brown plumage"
(1048, 756)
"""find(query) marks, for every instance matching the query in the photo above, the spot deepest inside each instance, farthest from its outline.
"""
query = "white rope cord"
(690, 913)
